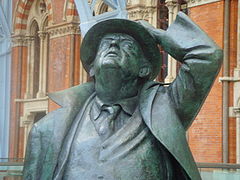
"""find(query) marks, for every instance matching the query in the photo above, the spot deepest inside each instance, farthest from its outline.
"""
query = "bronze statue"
(124, 125)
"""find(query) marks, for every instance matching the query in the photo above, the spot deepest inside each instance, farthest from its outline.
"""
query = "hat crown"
(88, 18)
(93, 37)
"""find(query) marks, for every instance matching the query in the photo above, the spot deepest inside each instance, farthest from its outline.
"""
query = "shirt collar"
(128, 105)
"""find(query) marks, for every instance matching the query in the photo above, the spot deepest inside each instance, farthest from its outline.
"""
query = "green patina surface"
(123, 58)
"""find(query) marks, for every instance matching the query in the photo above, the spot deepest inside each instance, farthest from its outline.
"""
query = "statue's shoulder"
(70, 101)
(150, 88)
(48, 122)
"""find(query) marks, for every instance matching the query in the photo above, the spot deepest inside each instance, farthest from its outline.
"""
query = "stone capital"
(26, 120)
(19, 40)
(63, 29)
(29, 39)
(42, 35)
(236, 110)
(171, 3)
(136, 13)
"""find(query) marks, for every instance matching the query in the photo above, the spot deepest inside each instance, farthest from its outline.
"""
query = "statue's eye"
(104, 43)
(127, 44)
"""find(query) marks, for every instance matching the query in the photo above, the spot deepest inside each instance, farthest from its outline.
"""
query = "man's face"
(119, 51)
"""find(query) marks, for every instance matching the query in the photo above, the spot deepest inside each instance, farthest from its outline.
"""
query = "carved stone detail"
(192, 3)
(63, 30)
(141, 13)
(19, 40)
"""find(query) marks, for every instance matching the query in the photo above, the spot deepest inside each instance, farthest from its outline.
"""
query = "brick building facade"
(46, 58)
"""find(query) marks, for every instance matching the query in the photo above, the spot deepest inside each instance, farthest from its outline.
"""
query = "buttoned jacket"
(168, 111)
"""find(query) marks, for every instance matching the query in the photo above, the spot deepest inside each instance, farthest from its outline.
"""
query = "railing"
(11, 169)
(209, 171)
(219, 171)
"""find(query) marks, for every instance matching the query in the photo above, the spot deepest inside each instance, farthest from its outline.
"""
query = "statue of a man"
(123, 125)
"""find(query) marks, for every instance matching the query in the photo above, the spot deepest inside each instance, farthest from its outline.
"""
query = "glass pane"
(219, 171)
(11, 170)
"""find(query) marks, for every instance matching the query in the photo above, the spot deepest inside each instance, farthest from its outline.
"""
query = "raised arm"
(201, 60)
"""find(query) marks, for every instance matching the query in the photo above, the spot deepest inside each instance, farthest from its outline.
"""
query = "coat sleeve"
(201, 60)
(33, 156)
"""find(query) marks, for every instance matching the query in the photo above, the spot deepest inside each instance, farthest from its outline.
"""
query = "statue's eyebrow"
(107, 38)
(121, 39)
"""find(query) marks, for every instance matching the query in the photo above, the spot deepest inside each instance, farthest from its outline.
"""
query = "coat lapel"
(72, 101)
(160, 124)
(63, 118)
(161, 118)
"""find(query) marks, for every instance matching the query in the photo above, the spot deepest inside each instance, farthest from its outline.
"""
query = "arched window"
(35, 103)
(35, 58)
(37, 52)
(103, 8)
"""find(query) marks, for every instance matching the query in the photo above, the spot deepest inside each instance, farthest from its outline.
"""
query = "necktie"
(105, 121)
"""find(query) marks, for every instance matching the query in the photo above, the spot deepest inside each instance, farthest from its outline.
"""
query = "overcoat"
(168, 111)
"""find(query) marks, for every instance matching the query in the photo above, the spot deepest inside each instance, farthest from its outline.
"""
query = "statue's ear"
(144, 71)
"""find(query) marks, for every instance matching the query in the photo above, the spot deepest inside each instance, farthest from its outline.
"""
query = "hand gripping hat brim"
(93, 37)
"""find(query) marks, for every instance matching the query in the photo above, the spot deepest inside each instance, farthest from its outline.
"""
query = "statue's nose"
(114, 43)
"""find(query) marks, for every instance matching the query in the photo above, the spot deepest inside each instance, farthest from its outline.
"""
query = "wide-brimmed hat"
(93, 37)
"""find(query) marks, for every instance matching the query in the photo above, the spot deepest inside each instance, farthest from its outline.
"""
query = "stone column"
(237, 112)
(26, 122)
(19, 48)
(173, 7)
(42, 68)
(28, 93)
(237, 90)
(45, 64)
(72, 58)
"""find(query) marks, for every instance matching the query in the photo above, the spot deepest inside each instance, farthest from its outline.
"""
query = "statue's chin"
(109, 63)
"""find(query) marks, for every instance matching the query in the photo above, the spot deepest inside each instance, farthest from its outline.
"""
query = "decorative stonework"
(237, 111)
(192, 3)
(22, 11)
(63, 30)
(19, 40)
(140, 13)
(70, 13)
(173, 8)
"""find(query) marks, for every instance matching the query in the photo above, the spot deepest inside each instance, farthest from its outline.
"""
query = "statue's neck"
(112, 87)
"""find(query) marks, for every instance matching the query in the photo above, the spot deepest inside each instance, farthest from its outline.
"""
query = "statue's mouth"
(112, 53)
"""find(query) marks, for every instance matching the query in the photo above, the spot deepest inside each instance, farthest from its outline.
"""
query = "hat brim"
(93, 37)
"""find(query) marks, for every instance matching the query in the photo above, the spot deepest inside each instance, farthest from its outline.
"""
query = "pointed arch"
(101, 8)
(22, 11)
(35, 58)
(70, 13)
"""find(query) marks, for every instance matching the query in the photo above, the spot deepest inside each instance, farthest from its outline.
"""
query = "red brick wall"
(77, 60)
(63, 69)
(232, 65)
(18, 77)
(14, 95)
(205, 135)
(58, 70)
(58, 6)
